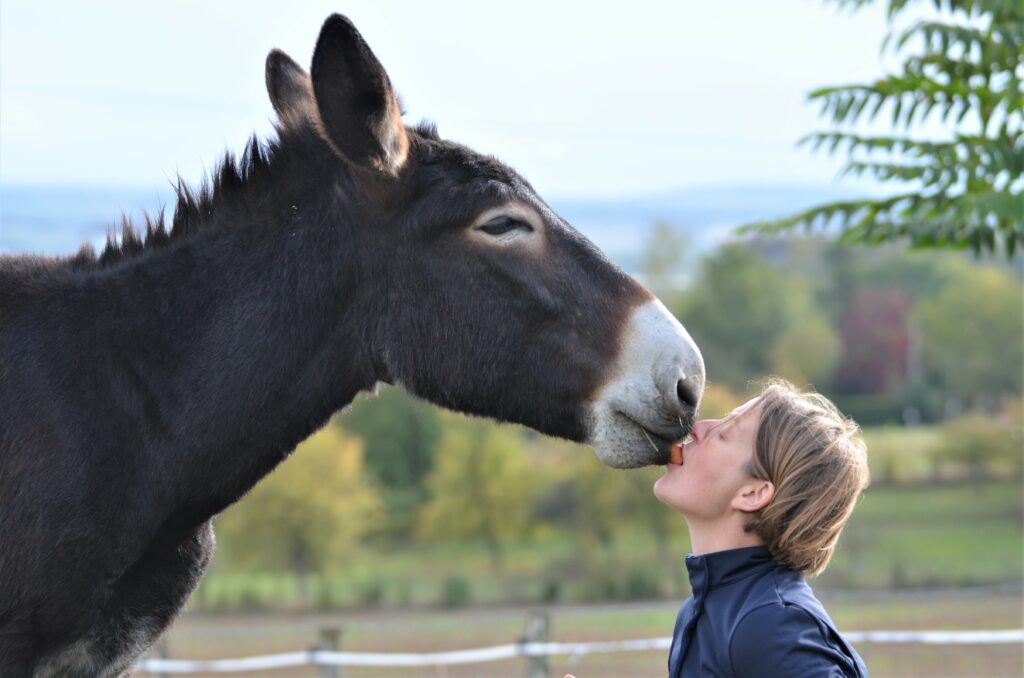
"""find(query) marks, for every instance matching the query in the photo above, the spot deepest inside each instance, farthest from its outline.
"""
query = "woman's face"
(714, 467)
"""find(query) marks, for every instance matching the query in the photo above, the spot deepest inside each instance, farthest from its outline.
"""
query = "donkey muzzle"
(650, 399)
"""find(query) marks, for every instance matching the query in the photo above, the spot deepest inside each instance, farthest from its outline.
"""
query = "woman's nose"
(701, 427)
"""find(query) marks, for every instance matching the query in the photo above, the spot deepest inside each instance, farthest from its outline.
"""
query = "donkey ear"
(290, 89)
(358, 109)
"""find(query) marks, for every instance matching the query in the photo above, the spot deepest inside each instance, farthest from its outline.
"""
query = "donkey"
(144, 390)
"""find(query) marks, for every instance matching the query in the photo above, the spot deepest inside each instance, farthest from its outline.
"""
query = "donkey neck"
(236, 344)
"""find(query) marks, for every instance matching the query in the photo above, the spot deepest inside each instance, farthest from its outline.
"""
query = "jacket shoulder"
(777, 638)
(792, 589)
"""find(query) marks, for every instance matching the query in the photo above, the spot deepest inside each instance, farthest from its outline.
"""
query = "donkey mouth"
(662, 442)
(625, 442)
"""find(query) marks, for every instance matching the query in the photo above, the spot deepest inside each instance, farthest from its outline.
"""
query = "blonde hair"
(816, 460)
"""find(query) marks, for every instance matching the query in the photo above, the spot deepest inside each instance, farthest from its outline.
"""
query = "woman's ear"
(754, 496)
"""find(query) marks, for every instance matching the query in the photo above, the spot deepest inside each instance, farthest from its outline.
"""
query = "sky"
(585, 99)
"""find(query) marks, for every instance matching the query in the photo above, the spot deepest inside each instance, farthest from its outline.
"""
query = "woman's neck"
(721, 535)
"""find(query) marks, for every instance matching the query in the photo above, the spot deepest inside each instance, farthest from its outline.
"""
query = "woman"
(765, 493)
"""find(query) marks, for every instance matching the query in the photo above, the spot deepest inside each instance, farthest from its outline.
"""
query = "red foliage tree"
(875, 341)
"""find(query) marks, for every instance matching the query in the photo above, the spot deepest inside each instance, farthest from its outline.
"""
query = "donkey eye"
(503, 225)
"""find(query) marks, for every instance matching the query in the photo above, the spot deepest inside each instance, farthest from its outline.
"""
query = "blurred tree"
(312, 510)
(666, 525)
(718, 400)
(875, 343)
(807, 353)
(482, 487)
(665, 261)
(963, 190)
(849, 269)
(986, 445)
(400, 436)
(585, 500)
(598, 499)
(738, 308)
(972, 336)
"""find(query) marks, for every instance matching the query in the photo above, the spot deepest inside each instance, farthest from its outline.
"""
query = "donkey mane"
(192, 211)
(195, 207)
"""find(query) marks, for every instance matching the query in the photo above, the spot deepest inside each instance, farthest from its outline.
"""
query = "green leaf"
(967, 187)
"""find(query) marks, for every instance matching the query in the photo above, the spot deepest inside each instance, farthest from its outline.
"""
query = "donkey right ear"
(358, 109)
(290, 89)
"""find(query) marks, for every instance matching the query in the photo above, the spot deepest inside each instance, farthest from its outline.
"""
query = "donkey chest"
(104, 653)
(140, 606)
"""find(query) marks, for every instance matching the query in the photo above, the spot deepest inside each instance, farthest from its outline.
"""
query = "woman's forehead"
(741, 412)
(744, 408)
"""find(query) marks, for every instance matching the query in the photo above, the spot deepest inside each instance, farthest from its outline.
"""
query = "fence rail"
(527, 650)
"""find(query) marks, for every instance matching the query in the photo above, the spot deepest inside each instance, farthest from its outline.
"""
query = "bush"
(641, 584)
(870, 410)
(324, 594)
(456, 592)
(987, 446)
(600, 587)
(251, 599)
(404, 595)
(900, 454)
(371, 593)
(552, 591)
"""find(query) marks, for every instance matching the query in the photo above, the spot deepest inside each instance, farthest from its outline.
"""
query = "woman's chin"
(662, 492)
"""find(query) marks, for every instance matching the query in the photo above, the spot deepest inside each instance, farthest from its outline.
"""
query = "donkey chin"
(652, 395)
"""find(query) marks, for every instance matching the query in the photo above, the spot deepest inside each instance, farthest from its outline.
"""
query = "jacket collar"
(724, 567)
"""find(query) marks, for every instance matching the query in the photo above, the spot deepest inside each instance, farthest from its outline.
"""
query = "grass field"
(932, 535)
(197, 635)
(900, 536)
(902, 454)
(907, 537)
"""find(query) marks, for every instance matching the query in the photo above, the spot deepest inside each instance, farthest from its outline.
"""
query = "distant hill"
(59, 219)
(623, 227)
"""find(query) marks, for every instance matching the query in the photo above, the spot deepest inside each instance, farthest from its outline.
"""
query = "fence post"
(330, 641)
(538, 630)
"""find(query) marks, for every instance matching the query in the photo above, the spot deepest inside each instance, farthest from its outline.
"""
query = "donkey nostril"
(686, 394)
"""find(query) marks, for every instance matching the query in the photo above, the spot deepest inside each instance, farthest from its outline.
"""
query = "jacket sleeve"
(786, 640)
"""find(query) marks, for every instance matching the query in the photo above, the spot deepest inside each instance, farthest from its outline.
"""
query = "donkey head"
(481, 298)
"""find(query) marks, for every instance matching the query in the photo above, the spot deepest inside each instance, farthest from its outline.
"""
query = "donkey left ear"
(290, 89)
(358, 109)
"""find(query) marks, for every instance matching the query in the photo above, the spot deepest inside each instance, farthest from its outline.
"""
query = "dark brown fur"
(144, 390)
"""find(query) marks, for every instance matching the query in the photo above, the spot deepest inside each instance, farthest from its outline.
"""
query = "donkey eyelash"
(504, 224)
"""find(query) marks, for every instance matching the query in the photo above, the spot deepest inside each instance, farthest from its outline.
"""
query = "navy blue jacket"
(749, 616)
